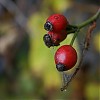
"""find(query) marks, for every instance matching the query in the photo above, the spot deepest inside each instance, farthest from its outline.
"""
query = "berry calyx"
(48, 41)
(56, 22)
(65, 58)
(53, 38)
(48, 26)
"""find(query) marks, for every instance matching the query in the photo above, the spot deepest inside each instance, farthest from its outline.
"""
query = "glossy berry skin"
(53, 38)
(57, 37)
(65, 58)
(56, 23)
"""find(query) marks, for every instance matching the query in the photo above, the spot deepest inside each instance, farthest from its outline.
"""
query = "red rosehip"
(53, 38)
(58, 37)
(65, 58)
(56, 22)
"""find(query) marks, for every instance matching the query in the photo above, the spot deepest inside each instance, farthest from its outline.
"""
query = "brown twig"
(88, 35)
(85, 48)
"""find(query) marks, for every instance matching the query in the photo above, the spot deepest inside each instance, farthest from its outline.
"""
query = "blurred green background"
(27, 68)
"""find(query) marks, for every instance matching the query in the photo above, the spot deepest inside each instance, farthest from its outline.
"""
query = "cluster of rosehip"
(66, 55)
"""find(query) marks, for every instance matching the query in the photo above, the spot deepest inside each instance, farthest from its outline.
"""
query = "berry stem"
(71, 29)
(90, 20)
(74, 36)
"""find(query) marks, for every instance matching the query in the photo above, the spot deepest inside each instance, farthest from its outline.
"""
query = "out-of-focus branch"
(20, 18)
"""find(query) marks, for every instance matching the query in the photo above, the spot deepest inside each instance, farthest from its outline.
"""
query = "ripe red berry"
(53, 38)
(65, 58)
(56, 22)
(57, 37)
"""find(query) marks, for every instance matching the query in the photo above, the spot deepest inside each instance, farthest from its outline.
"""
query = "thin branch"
(88, 35)
(85, 48)
(90, 20)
